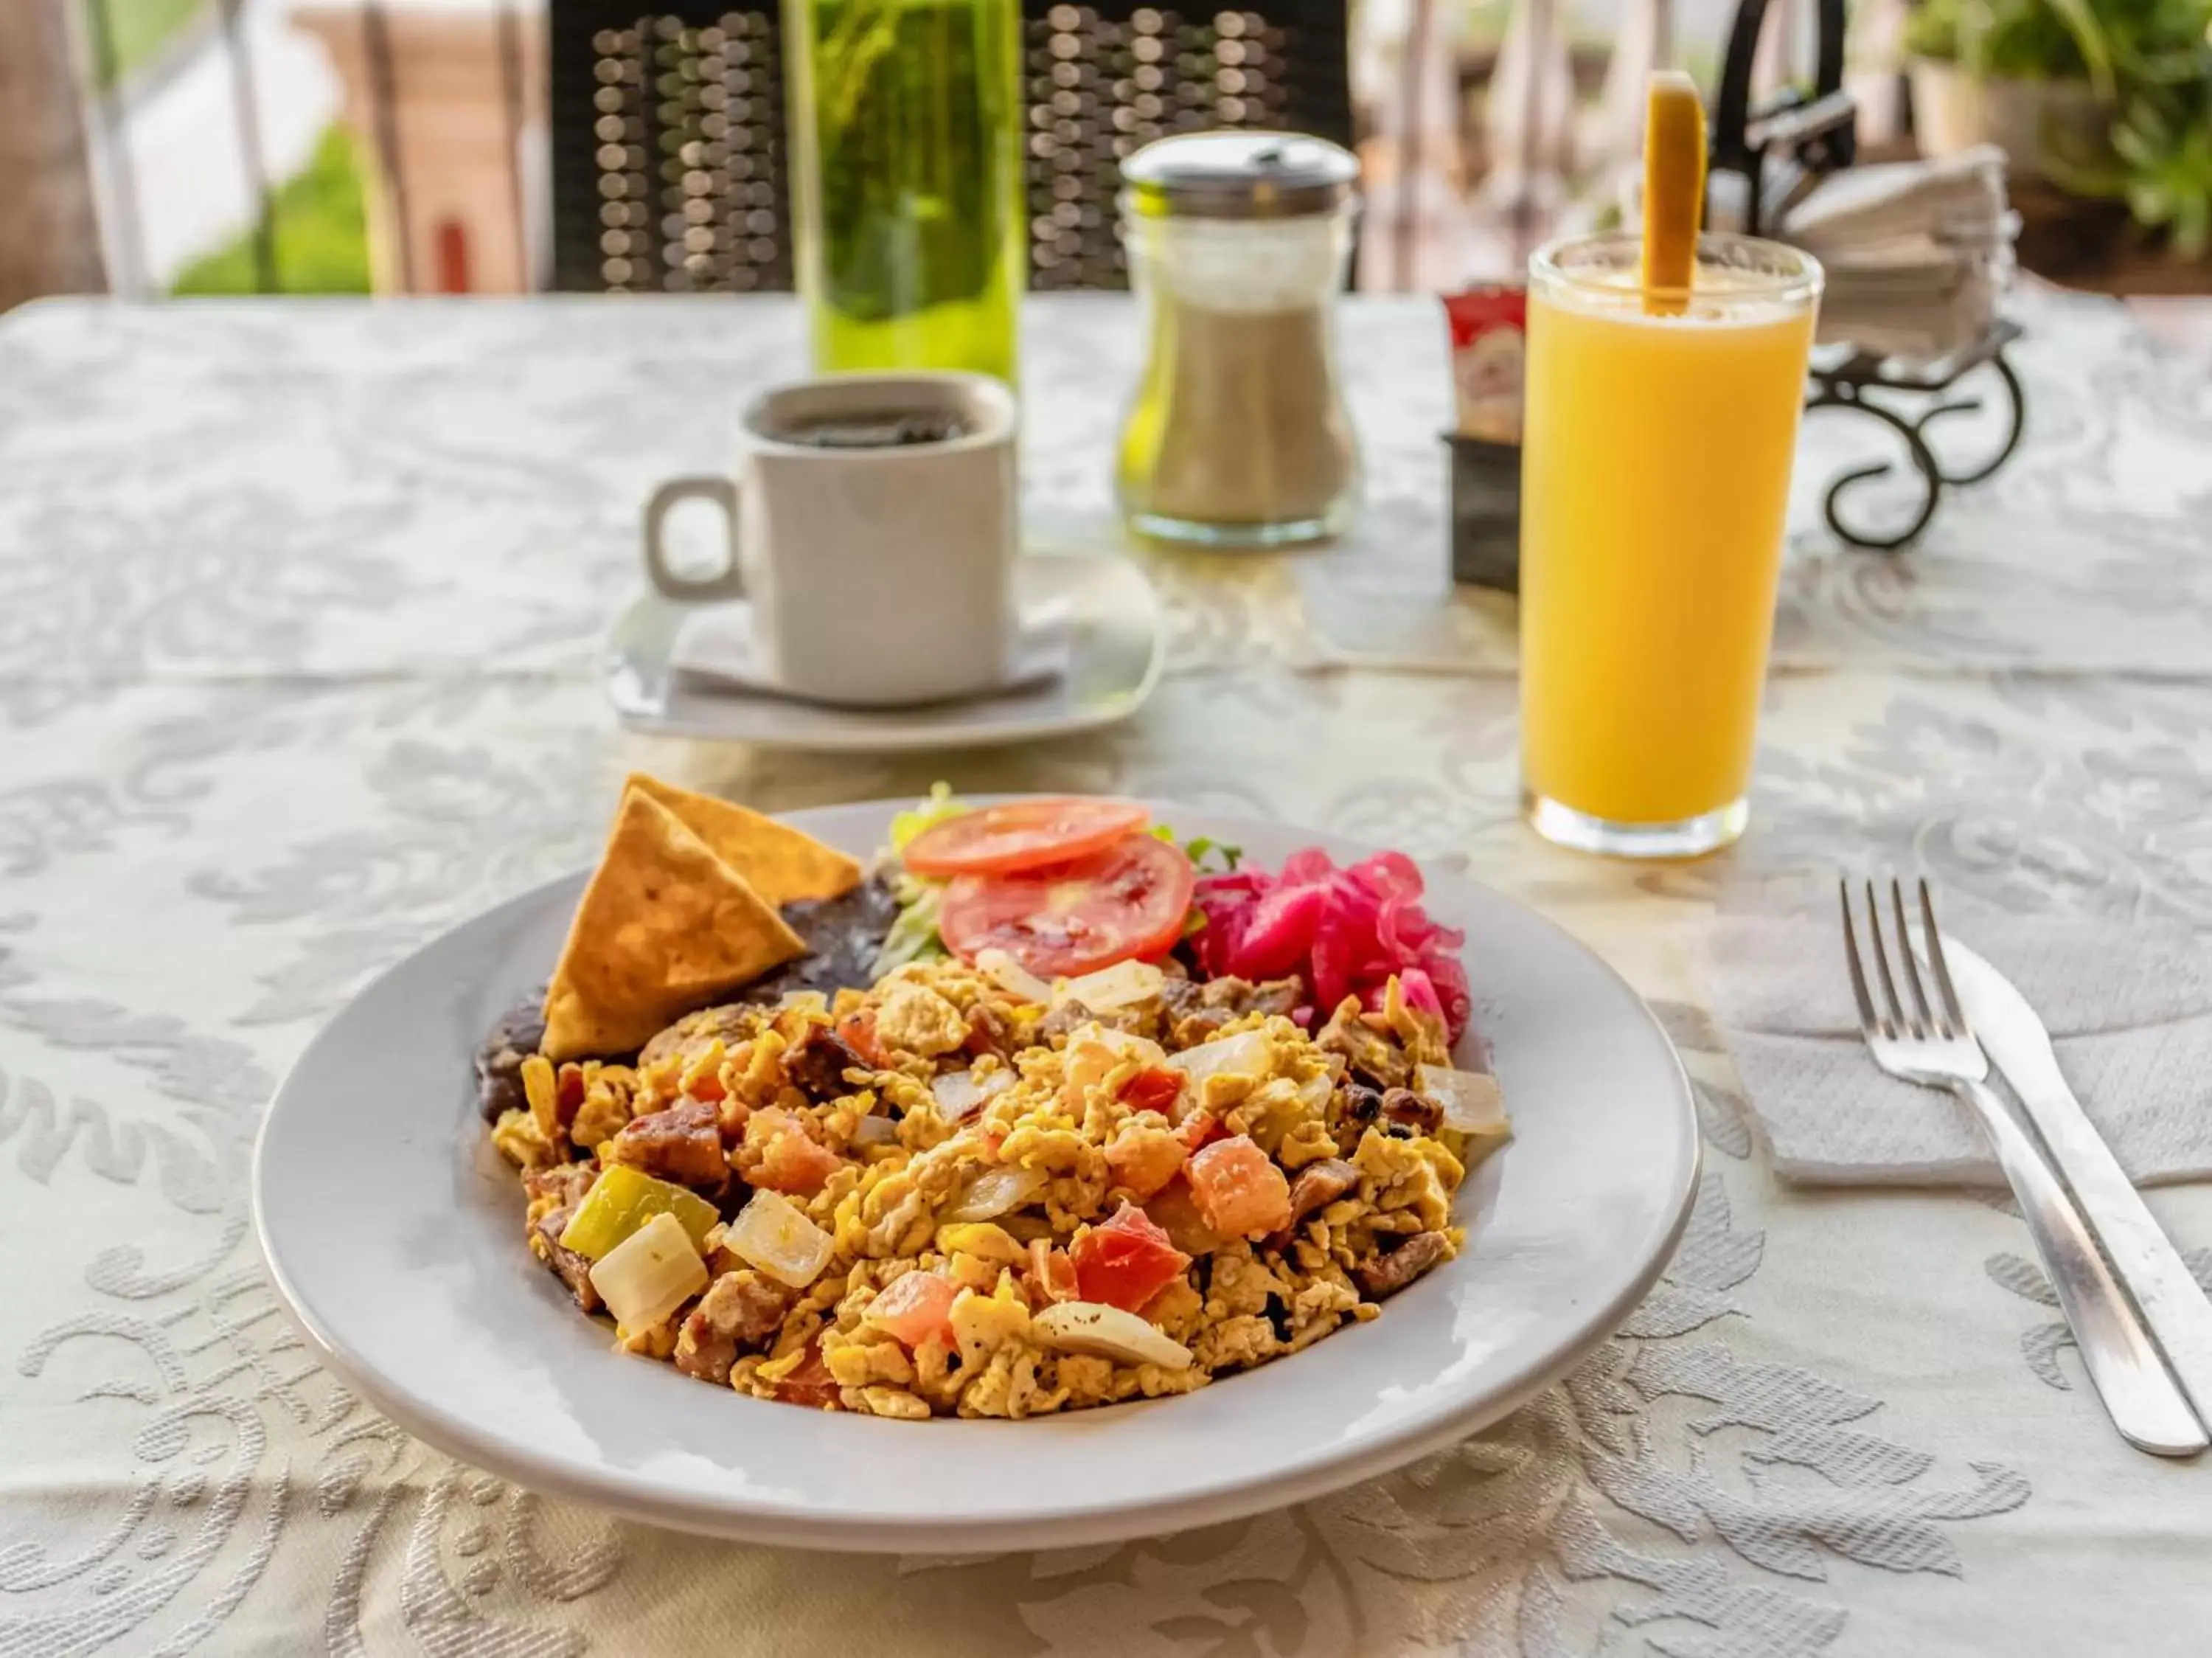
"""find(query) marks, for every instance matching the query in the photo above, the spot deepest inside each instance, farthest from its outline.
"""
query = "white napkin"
(1915, 253)
(2129, 1006)
(714, 645)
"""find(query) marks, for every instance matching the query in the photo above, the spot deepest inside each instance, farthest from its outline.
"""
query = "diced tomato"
(1126, 1262)
(1144, 1161)
(1021, 835)
(1154, 1089)
(791, 1161)
(1129, 900)
(859, 1031)
(915, 1307)
(1052, 1274)
(811, 1383)
(1200, 1128)
(1239, 1192)
(1174, 1211)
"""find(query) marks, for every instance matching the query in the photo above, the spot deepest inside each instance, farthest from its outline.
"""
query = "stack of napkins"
(1916, 252)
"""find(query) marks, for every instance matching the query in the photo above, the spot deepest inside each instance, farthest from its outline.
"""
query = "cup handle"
(729, 582)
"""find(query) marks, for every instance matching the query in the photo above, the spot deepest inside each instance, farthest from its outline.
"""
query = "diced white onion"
(1471, 1100)
(1121, 985)
(649, 1274)
(773, 1234)
(1108, 1332)
(1314, 1092)
(993, 1193)
(961, 1093)
(1248, 1053)
(872, 1130)
(1009, 974)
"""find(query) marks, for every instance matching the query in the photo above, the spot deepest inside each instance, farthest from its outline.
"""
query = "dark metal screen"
(667, 128)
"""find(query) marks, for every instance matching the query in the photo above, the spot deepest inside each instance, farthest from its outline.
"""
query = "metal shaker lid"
(1235, 174)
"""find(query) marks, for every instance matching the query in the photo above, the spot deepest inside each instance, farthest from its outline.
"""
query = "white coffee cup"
(876, 575)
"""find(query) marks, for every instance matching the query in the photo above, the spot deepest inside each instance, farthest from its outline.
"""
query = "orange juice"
(1656, 474)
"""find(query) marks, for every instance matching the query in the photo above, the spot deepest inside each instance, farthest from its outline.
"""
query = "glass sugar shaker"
(1238, 243)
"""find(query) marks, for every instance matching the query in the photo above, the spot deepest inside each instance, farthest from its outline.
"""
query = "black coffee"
(874, 431)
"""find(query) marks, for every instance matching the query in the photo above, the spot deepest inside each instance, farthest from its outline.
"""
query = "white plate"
(395, 1233)
(1115, 646)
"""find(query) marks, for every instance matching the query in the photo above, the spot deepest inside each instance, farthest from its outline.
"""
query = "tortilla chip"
(664, 927)
(783, 865)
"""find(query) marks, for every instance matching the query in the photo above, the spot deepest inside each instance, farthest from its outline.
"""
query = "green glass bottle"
(906, 143)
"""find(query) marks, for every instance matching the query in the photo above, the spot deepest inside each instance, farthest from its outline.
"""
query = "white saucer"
(1115, 645)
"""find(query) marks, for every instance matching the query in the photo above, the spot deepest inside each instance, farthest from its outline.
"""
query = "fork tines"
(1946, 1021)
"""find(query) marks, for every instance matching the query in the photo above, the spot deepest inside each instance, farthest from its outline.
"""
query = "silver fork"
(1936, 1048)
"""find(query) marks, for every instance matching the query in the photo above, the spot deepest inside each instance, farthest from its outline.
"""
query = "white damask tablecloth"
(297, 610)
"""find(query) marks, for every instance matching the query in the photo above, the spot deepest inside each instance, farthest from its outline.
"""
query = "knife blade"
(2174, 1309)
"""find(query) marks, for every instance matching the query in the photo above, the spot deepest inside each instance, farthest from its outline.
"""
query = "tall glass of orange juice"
(1655, 477)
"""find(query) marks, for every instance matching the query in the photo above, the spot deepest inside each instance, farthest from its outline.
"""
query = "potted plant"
(2103, 98)
(2011, 73)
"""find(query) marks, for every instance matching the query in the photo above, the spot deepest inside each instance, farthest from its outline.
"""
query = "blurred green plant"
(321, 231)
(140, 28)
(2149, 65)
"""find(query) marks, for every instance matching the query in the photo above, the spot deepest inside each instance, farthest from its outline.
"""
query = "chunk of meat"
(1318, 1186)
(1239, 1192)
(739, 1309)
(1062, 1022)
(1359, 1109)
(818, 1065)
(682, 1143)
(1180, 998)
(573, 1269)
(565, 1182)
(1373, 1056)
(810, 1383)
(987, 1032)
(1414, 1111)
(1238, 997)
(693, 1034)
(1394, 1272)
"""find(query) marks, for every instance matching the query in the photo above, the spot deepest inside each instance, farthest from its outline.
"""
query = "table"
(298, 603)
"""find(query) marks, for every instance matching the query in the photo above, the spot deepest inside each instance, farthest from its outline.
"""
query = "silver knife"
(2176, 1312)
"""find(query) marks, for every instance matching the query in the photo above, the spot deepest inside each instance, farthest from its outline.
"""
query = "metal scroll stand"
(1782, 150)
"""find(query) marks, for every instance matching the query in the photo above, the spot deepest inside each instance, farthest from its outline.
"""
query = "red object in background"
(1489, 325)
(452, 256)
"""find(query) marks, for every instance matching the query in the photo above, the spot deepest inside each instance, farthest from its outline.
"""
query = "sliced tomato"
(1153, 1090)
(914, 1307)
(1072, 918)
(1021, 834)
(1239, 1192)
(1126, 1262)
